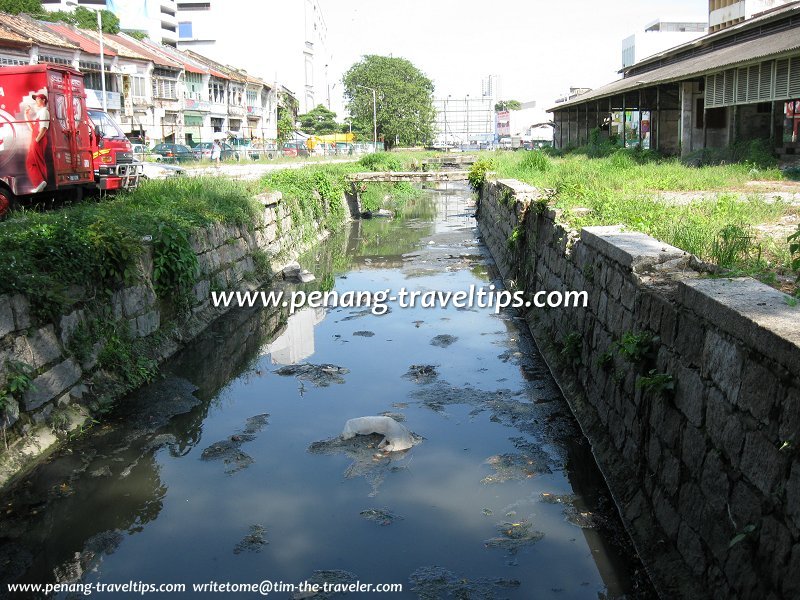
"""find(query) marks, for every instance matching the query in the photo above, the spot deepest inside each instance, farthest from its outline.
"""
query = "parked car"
(203, 151)
(245, 149)
(295, 149)
(173, 152)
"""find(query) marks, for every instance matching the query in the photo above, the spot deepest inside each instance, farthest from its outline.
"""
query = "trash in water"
(396, 436)
(362, 450)
(364, 333)
(434, 583)
(514, 535)
(421, 373)
(253, 541)
(229, 450)
(443, 341)
(382, 516)
(320, 375)
(399, 417)
(580, 518)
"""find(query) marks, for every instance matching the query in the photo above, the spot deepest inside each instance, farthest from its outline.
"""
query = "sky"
(539, 48)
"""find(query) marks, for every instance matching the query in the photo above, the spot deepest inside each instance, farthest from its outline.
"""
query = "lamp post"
(374, 117)
(73, 4)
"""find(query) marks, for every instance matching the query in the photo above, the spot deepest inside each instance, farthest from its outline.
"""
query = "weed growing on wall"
(477, 173)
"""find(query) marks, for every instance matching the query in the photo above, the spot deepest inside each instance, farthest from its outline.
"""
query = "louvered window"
(765, 82)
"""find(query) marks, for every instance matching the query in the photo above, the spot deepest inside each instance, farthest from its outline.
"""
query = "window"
(185, 30)
(194, 6)
(252, 98)
(138, 86)
(165, 88)
(12, 61)
(194, 83)
(216, 91)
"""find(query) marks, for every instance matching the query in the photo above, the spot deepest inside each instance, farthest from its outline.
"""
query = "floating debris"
(367, 460)
(514, 535)
(229, 451)
(382, 516)
(320, 375)
(252, 542)
(421, 373)
(579, 518)
(443, 341)
(364, 333)
(434, 583)
(509, 467)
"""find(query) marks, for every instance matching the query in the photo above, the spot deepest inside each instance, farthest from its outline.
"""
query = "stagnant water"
(229, 468)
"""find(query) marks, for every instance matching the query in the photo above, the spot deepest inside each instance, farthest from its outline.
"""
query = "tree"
(84, 18)
(404, 97)
(319, 121)
(16, 7)
(507, 105)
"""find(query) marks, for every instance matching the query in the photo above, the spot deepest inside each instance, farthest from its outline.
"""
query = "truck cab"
(112, 154)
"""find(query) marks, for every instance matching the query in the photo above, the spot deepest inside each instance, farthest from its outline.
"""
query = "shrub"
(536, 161)
(381, 161)
(477, 173)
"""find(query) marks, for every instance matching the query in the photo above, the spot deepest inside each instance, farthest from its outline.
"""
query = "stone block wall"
(698, 438)
(62, 382)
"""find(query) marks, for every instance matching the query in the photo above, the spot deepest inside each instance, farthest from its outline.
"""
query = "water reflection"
(207, 474)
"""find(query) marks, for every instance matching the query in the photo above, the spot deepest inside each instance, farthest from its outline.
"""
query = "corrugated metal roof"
(34, 32)
(77, 36)
(143, 50)
(768, 46)
(109, 41)
(188, 64)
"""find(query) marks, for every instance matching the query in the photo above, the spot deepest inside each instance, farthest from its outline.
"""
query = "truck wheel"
(7, 202)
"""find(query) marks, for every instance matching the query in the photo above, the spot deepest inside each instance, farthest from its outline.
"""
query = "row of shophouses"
(736, 84)
(155, 92)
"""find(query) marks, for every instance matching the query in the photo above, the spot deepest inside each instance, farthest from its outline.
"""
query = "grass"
(618, 189)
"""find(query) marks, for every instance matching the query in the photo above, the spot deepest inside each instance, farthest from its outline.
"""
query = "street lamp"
(374, 118)
(73, 4)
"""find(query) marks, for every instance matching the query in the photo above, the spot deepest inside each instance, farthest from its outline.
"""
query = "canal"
(229, 468)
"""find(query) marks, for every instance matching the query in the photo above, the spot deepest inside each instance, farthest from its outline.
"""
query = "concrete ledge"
(631, 249)
(751, 311)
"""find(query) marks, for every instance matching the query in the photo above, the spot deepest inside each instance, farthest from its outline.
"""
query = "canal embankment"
(687, 386)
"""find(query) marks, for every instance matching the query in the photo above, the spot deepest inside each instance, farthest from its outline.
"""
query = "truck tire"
(8, 202)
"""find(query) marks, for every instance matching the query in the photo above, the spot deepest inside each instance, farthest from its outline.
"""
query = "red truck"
(51, 144)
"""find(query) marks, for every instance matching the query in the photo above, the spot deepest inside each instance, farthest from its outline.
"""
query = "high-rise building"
(724, 13)
(290, 47)
(156, 18)
(658, 36)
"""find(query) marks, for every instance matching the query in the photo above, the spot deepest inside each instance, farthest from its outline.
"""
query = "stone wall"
(66, 387)
(696, 426)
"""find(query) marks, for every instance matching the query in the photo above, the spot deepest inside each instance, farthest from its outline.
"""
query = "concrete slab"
(750, 311)
(631, 249)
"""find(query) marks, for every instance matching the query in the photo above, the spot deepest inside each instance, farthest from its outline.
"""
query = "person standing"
(39, 123)
(216, 151)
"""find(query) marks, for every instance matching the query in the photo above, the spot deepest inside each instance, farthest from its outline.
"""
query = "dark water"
(190, 482)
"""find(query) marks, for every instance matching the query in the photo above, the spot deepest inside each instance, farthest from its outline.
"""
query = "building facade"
(659, 36)
(154, 91)
(294, 38)
(740, 83)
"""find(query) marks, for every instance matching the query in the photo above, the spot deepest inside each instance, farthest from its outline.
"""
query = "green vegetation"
(403, 100)
(19, 379)
(507, 105)
(319, 121)
(477, 172)
(637, 189)
(656, 384)
(571, 347)
(638, 347)
(388, 195)
(794, 249)
(95, 246)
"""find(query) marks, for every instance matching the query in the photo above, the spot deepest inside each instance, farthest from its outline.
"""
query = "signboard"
(503, 123)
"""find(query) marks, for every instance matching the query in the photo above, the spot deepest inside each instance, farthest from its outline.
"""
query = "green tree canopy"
(404, 100)
(507, 105)
(16, 7)
(84, 18)
(319, 121)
